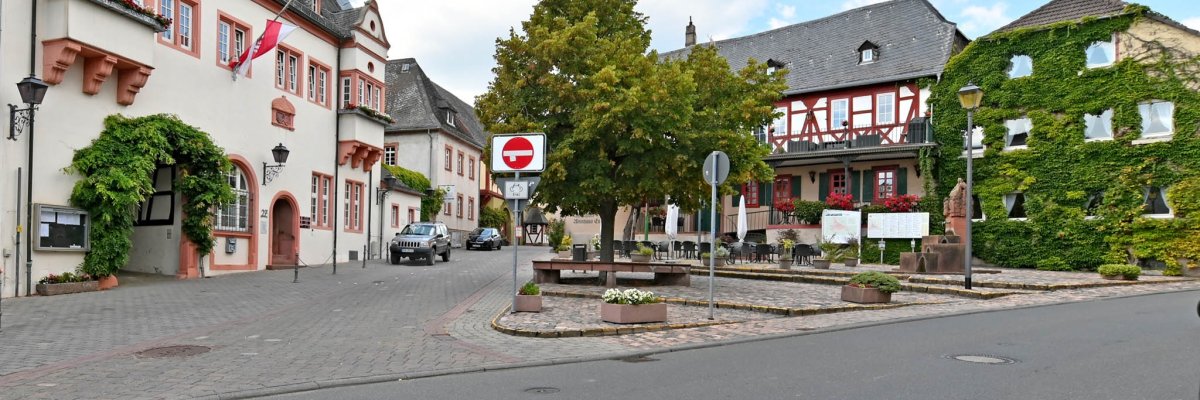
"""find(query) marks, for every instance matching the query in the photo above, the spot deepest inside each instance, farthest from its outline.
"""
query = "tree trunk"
(608, 217)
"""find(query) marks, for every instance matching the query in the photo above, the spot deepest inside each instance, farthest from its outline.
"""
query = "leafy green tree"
(624, 125)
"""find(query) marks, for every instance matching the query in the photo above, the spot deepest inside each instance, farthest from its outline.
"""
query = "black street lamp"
(280, 154)
(33, 91)
(969, 96)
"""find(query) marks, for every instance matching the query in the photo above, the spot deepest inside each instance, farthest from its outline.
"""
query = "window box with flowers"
(144, 15)
(632, 306)
(369, 113)
(66, 283)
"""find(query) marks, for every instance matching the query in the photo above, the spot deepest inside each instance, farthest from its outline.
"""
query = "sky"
(454, 40)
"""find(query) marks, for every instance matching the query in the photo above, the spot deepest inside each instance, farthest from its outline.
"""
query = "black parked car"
(484, 238)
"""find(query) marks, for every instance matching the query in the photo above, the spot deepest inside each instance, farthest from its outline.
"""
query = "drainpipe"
(337, 141)
(432, 176)
(370, 191)
(29, 161)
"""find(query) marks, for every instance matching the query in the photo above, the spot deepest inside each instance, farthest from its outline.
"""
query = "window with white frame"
(1018, 132)
(780, 125)
(1158, 118)
(319, 211)
(1101, 54)
(389, 154)
(450, 117)
(326, 186)
(838, 113)
(1098, 126)
(223, 32)
(1014, 203)
(181, 32)
(185, 25)
(312, 82)
(1155, 201)
(1020, 66)
(234, 216)
(867, 56)
(885, 108)
(885, 184)
(167, 9)
(977, 139)
(760, 134)
(345, 92)
(288, 71)
(292, 61)
(977, 209)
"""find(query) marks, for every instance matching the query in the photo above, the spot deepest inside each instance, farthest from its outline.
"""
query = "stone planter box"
(530, 303)
(1117, 278)
(633, 314)
(851, 262)
(821, 264)
(720, 262)
(634, 257)
(565, 254)
(51, 289)
(862, 295)
(785, 264)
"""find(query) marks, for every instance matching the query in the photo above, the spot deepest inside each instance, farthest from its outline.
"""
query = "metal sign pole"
(712, 241)
(517, 214)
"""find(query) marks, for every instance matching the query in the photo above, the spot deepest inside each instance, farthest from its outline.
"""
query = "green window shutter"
(856, 185)
(869, 185)
(823, 187)
(902, 181)
(795, 187)
(766, 197)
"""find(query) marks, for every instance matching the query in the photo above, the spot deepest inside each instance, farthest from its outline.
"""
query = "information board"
(897, 225)
(838, 226)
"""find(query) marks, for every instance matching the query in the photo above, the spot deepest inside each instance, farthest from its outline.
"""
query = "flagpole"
(258, 42)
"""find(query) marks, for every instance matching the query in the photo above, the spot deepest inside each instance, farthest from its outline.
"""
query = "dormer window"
(867, 53)
(1101, 54)
(774, 65)
(1018, 133)
(1020, 66)
(450, 117)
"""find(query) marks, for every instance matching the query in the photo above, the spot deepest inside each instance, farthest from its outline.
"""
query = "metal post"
(517, 214)
(712, 238)
(970, 209)
(365, 248)
(29, 205)
(296, 270)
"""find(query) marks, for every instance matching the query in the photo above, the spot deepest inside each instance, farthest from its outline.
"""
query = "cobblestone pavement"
(384, 322)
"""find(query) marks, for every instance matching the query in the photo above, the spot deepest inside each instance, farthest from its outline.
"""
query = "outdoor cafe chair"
(689, 249)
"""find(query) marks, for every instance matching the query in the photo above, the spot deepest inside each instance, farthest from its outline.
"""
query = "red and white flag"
(276, 31)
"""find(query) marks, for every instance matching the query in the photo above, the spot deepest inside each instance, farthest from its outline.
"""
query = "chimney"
(689, 38)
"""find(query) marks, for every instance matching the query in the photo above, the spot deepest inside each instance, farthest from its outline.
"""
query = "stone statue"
(955, 205)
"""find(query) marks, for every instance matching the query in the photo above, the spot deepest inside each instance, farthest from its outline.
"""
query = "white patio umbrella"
(741, 227)
(672, 227)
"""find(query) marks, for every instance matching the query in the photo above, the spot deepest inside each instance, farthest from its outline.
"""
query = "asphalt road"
(1145, 347)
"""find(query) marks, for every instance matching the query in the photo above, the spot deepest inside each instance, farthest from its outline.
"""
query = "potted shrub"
(642, 254)
(66, 283)
(785, 253)
(529, 298)
(830, 253)
(594, 250)
(808, 212)
(870, 287)
(564, 247)
(721, 253)
(632, 306)
(850, 253)
(1119, 272)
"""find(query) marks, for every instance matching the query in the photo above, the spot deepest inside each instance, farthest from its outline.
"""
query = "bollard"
(296, 270)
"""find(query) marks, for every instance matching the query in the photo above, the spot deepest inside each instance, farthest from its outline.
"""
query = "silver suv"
(421, 240)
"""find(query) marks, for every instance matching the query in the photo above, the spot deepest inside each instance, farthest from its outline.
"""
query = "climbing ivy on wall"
(1059, 170)
(117, 169)
(430, 204)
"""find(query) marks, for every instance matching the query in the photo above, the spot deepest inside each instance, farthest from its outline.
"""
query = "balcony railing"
(913, 132)
(755, 220)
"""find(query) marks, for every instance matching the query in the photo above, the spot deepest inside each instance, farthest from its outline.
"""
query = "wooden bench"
(664, 273)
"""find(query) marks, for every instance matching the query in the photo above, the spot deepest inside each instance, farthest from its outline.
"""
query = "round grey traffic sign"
(716, 165)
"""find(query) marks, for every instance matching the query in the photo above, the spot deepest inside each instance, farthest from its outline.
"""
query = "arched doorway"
(285, 229)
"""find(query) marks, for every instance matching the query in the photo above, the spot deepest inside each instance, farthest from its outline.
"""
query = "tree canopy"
(624, 125)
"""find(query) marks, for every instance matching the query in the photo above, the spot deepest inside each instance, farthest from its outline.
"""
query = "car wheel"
(395, 259)
(468, 246)
(429, 259)
(446, 255)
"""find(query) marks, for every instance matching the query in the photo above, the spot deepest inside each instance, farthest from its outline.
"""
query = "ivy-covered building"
(1086, 149)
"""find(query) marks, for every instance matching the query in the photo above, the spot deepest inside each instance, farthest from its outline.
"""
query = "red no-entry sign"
(519, 153)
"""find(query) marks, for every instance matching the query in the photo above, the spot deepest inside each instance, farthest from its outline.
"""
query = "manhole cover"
(172, 351)
(983, 359)
(637, 359)
(542, 390)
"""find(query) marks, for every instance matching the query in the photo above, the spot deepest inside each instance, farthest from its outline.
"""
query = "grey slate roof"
(417, 103)
(1074, 10)
(914, 41)
(333, 18)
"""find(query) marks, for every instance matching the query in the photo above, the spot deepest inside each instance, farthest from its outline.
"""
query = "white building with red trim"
(320, 94)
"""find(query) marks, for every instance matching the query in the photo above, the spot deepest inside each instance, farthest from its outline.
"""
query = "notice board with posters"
(898, 225)
(838, 226)
(62, 228)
